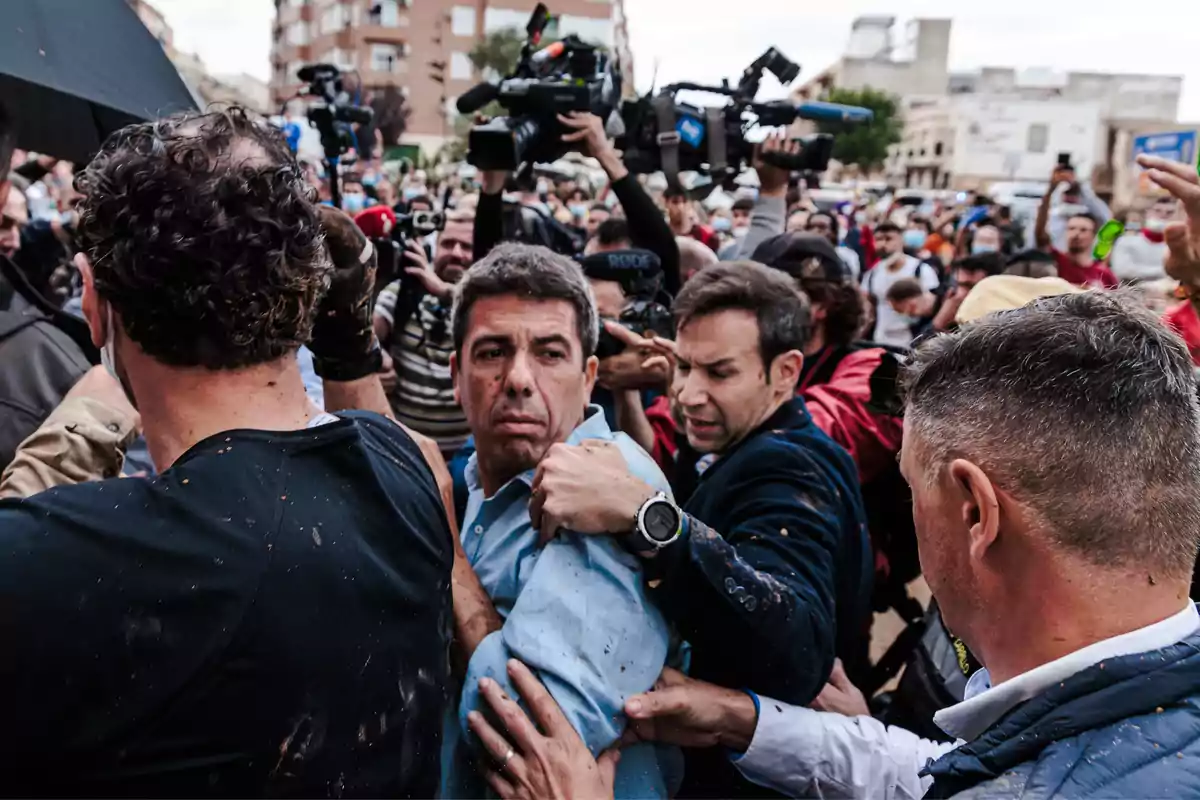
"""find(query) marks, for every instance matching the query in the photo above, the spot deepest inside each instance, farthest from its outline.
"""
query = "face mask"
(1156, 225)
(979, 248)
(739, 233)
(108, 353)
(411, 192)
(860, 217)
(722, 224)
(914, 240)
(353, 203)
(578, 210)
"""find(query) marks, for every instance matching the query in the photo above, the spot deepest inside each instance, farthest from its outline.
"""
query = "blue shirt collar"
(593, 426)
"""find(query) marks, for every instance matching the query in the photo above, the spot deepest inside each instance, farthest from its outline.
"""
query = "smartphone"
(1064, 161)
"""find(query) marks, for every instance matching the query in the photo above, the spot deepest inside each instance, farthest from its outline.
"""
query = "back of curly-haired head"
(203, 237)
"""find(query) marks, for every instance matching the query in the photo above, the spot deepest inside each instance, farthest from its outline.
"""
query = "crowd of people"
(528, 486)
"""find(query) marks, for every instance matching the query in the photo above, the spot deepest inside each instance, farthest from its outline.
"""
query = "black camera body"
(647, 311)
(566, 76)
(333, 115)
(665, 134)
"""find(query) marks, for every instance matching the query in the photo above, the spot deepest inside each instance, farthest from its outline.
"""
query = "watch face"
(661, 521)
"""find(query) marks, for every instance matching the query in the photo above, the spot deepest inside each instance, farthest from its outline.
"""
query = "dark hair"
(421, 198)
(987, 263)
(742, 204)
(8, 141)
(985, 222)
(833, 223)
(1082, 406)
(904, 289)
(1088, 217)
(1032, 264)
(674, 191)
(600, 207)
(923, 222)
(203, 236)
(781, 309)
(532, 272)
(613, 231)
(887, 226)
(844, 308)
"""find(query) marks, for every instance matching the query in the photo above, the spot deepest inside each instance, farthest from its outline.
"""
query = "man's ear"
(980, 506)
(454, 376)
(785, 369)
(96, 321)
(590, 367)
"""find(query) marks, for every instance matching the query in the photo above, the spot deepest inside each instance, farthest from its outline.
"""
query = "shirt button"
(479, 529)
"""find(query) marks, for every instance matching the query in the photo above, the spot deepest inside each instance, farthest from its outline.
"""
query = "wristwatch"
(659, 522)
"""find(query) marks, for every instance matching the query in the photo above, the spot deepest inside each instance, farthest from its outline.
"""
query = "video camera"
(390, 233)
(332, 115)
(665, 134)
(566, 76)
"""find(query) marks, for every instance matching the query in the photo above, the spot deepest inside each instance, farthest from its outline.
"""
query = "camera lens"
(502, 143)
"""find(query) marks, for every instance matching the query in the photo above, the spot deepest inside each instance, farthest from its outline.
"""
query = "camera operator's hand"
(343, 340)
(491, 181)
(638, 367)
(588, 130)
(773, 181)
(422, 271)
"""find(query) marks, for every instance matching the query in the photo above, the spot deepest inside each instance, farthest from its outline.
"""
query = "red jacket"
(1182, 319)
(840, 408)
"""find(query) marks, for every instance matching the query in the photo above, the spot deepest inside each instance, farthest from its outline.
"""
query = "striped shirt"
(424, 395)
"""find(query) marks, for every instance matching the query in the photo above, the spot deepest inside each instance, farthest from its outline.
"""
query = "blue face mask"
(578, 210)
(914, 240)
(353, 203)
(977, 248)
(722, 224)
(411, 192)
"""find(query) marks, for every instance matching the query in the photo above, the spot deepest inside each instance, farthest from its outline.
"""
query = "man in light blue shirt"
(575, 610)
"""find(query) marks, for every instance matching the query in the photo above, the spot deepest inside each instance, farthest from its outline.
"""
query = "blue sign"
(691, 130)
(1180, 146)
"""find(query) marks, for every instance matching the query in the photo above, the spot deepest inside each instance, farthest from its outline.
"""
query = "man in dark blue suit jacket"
(766, 570)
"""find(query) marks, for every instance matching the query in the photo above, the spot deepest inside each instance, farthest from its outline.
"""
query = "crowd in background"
(654, 472)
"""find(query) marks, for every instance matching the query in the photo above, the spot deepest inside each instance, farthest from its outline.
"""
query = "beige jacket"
(83, 440)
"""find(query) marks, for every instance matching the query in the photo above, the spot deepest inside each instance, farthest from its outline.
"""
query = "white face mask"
(108, 353)
(1155, 225)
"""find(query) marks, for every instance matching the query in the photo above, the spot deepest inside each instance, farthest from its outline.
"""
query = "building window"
(385, 13)
(384, 57)
(297, 34)
(460, 67)
(333, 19)
(1037, 138)
(462, 21)
(937, 149)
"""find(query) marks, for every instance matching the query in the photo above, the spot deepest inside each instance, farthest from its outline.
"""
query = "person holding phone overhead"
(1070, 232)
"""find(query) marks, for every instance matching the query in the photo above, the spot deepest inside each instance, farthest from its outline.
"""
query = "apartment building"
(394, 43)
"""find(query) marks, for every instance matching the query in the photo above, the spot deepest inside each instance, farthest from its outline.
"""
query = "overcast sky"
(687, 44)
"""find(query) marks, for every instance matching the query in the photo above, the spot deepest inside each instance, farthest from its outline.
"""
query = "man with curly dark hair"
(270, 614)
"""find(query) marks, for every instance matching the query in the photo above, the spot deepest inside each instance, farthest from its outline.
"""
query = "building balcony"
(384, 33)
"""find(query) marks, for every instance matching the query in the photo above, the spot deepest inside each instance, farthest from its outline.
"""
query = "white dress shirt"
(807, 753)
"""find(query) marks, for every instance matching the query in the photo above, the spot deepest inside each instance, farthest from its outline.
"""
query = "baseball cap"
(789, 252)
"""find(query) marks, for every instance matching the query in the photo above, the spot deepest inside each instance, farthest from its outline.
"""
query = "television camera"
(662, 133)
(569, 75)
(333, 115)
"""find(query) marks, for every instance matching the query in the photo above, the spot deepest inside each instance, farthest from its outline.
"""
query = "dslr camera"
(569, 75)
(662, 133)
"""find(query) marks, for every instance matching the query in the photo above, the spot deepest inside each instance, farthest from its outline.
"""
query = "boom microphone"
(477, 97)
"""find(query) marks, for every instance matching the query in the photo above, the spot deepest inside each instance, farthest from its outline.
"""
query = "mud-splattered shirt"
(269, 616)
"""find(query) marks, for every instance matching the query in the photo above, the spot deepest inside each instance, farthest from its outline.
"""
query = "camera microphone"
(477, 97)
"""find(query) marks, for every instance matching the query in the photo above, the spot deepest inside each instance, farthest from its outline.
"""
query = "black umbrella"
(74, 71)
